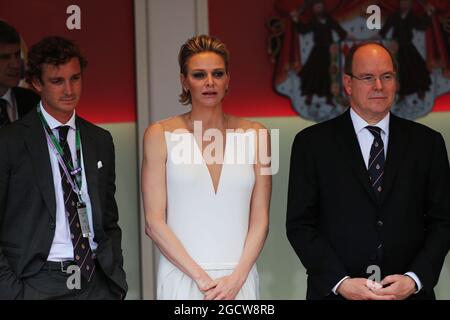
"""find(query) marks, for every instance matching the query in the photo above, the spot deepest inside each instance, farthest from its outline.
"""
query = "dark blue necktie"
(376, 160)
(81, 249)
(4, 118)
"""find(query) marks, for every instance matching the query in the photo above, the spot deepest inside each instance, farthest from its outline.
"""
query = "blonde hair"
(193, 46)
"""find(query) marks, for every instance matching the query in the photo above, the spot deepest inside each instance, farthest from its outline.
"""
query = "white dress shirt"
(11, 105)
(365, 139)
(62, 247)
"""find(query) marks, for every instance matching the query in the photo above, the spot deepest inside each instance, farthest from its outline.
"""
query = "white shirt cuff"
(416, 280)
(338, 284)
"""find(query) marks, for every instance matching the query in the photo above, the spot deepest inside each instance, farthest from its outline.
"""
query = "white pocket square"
(99, 165)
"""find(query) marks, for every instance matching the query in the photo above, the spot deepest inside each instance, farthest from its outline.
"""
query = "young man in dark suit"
(59, 232)
(15, 102)
(368, 205)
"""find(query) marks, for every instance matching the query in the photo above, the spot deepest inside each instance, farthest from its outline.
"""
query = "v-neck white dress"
(211, 226)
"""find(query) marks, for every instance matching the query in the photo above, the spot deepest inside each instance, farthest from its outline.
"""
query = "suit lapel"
(36, 144)
(347, 138)
(90, 166)
(396, 149)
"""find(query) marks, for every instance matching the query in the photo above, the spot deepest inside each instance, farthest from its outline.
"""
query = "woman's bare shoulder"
(244, 124)
(167, 125)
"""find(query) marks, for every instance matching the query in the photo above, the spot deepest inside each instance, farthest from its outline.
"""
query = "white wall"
(127, 201)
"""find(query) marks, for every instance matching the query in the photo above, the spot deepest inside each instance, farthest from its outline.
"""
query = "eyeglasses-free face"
(207, 79)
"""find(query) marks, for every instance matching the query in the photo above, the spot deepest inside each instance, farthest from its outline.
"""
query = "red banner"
(242, 26)
(107, 39)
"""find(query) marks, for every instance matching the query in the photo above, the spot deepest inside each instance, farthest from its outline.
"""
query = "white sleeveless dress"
(211, 226)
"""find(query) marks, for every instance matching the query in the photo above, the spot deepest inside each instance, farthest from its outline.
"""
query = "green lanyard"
(66, 166)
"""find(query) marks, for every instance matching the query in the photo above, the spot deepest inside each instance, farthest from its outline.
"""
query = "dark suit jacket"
(26, 100)
(339, 228)
(27, 202)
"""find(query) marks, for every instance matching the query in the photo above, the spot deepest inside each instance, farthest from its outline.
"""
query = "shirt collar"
(359, 123)
(53, 123)
(8, 96)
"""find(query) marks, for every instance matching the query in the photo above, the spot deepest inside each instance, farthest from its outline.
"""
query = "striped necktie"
(376, 160)
(81, 248)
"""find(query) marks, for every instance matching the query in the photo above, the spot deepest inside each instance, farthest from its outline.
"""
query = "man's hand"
(361, 289)
(399, 286)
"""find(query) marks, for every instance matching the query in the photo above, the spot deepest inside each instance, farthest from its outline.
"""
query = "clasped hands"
(393, 287)
(223, 288)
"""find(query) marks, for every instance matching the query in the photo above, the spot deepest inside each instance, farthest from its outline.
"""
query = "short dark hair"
(8, 34)
(354, 48)
(52, 50)
(193, 46)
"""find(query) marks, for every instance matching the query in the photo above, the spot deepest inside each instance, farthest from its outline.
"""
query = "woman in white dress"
(206, 187)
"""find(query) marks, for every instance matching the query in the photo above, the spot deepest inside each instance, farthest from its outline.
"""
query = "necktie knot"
(63, 131)
(375, 131)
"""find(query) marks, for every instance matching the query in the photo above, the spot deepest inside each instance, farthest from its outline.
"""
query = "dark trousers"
(51, 284)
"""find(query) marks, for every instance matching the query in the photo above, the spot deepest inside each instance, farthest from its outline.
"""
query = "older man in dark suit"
(15, 102)
(59, 232)
(369, 194)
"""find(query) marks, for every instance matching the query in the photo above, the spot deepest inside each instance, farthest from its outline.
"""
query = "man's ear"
(347, 81)
(37, 84)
